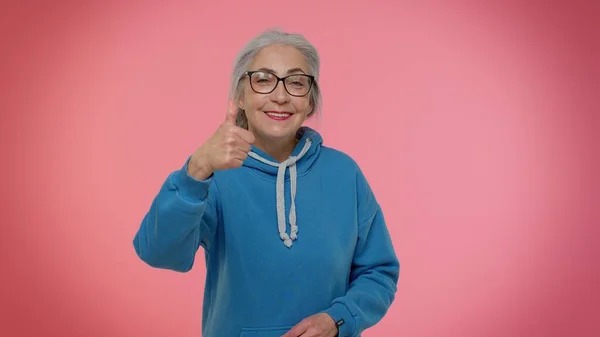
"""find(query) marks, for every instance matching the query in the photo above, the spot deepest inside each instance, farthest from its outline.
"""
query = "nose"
(280, 95)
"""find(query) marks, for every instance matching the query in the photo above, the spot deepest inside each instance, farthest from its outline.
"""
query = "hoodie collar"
(305, 134)
(298, 163)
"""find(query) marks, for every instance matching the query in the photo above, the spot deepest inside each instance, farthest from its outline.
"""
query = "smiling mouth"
(278, 115)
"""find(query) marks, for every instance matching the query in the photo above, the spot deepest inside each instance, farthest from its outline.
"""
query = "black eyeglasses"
(263, 82)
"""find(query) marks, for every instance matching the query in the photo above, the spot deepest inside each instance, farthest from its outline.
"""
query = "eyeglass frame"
(280, 79)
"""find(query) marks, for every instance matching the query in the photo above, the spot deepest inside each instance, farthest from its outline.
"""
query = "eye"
(262, 78)
(298, 81)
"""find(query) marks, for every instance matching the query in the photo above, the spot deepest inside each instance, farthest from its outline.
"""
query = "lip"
(289, 114)
(279, 112)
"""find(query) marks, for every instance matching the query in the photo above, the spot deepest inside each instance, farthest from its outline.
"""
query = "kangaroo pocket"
(274, 331)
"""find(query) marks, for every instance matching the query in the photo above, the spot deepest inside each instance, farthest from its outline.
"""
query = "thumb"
(231, 113)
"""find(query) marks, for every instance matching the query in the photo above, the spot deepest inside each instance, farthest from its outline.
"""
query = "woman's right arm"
(182, 217)
(184, 214)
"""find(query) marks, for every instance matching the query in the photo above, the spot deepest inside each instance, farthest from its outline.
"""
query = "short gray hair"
(253, 47)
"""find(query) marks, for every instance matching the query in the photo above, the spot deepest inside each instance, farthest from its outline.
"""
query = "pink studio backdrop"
(477, 126)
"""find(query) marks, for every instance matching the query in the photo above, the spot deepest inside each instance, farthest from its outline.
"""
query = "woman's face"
(276, 115)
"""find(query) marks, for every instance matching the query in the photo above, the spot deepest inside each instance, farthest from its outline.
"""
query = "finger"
(245, 135)
(242, 145)
(296, 331)
(234, 142)
(234, 159)
(235, 163)
(240, 155)
(231, 113)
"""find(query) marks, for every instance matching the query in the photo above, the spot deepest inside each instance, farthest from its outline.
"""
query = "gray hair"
(265, 39)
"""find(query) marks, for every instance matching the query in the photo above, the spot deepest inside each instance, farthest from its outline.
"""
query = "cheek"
(303, 106)
(254, 101)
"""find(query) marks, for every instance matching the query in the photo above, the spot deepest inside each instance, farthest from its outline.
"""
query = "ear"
(240, 102)
(311, 104)
(309, 110)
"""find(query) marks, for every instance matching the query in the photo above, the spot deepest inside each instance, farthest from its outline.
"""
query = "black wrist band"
(337, 325)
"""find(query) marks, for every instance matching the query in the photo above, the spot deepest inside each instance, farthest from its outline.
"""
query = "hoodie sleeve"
(375, 270)
(181, 218)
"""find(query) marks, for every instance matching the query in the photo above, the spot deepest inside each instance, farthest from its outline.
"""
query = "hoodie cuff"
(189, 187)
(343, 318)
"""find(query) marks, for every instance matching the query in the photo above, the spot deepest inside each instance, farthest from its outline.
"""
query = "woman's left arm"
(375, 270)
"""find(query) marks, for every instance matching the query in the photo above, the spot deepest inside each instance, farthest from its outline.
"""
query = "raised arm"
(182, 217)
(185, 213)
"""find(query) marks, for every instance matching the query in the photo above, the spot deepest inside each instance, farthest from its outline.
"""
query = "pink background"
(477, 126)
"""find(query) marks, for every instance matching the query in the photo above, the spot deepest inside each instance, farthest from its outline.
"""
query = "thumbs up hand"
(227, 148)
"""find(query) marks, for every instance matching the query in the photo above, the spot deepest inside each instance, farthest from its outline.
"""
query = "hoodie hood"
(298, 163)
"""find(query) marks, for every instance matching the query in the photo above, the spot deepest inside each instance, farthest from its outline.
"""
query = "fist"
(227, 148)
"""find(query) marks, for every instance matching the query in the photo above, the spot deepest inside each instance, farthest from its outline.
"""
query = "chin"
(280, 132)
(277, 129)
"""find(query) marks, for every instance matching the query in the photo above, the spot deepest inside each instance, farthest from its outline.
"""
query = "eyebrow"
(293, 70)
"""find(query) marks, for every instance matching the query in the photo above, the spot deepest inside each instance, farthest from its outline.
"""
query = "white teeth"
(277, 114)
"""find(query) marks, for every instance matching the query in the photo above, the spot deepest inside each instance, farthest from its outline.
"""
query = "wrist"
(198, 169)
(188, 186)
(200, 173)
(335, 324)
(344, 321)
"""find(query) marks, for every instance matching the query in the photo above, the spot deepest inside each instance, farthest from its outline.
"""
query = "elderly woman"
(295, 242)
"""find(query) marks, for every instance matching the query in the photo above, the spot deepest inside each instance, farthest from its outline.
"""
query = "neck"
(280, 150)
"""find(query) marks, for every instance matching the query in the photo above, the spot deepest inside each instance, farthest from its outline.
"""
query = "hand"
(319, 325)
(227, 148)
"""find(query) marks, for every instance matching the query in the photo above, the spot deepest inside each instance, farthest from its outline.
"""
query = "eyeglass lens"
(264, 82)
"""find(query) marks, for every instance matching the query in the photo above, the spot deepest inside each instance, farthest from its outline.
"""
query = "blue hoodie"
(281, 242)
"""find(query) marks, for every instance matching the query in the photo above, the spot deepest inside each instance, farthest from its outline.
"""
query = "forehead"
(280, 58)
